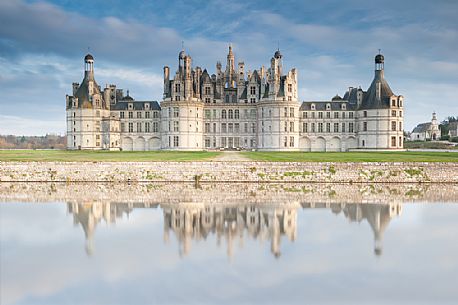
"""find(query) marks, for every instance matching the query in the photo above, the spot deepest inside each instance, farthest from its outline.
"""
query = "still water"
(228, 244)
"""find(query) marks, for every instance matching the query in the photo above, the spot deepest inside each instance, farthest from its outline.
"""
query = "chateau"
(233, 109)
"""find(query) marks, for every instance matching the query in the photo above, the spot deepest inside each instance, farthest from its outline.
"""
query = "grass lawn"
(86, 155)
(395, 156)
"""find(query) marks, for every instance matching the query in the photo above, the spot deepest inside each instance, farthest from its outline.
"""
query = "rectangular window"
(313, 115)
(177, 88)
(290, 88)
(207, 127)
(139, 127)
(400, 126)
(155, 127)
(253, 100)
(313, 127)
(147, 114)
(207, 90)
(328, 115)
(223, 128)
(400, 141)
(400, 113)
(286, 112)
(207, 100)
(121, 114)
(214, 113)
(147, 129)
(351, 127)
(328, 127)
(365, 114)
(336, 127)
(207, 113)
(207, 142)
(253, 113)
(155, 114)
(350, 115)
(131, 115)
(343, 127)
(139, 115)
(364, 126)
(291, 126)
(131, 127)
(123, 127)
(253, 127)
(343, 115)
(320, 127)
(236, 127)
(176, 126)
(252, 90)
(393, 141)
(291, 112)
(336, 115)
(286, 126)
(214, 127)
(291, 141)
(245, 127)
(230, 128)
(305, 127)
(393, 126)
(285, 142)
(393, 113)
(320, 115)
(176, 112)
(176, 141)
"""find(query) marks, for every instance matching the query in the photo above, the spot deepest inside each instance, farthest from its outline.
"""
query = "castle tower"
(278, 108)
(88, 114)
(380, 115)
(230, 69)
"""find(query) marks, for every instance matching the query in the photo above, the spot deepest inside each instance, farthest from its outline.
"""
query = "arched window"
(237, 114)
(231, 114)
(223, 114)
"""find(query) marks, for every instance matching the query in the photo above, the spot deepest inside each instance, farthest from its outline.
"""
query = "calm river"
(228, 244)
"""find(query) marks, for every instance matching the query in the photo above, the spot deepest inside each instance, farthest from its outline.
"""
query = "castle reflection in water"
(231, 224)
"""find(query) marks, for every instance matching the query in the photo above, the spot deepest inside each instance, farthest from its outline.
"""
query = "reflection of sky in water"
(327, 258)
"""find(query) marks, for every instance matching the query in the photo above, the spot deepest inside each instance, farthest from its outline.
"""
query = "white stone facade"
(426, 131)
(233, 109)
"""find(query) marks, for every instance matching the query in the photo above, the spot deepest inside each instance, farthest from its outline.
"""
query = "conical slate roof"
(371, 100)
(83, 91)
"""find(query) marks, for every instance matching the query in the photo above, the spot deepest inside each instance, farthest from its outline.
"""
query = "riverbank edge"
(230, 171)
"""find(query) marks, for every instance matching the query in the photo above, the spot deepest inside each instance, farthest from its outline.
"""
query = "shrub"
(454, 139)
(445, 138)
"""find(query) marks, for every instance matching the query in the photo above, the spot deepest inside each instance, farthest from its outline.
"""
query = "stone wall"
(276, 194)
(229, 172)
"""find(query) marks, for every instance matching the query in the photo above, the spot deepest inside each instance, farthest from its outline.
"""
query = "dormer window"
(344, 107)
(312, 106)
(146, 106)
(130, 106)
(328, 106)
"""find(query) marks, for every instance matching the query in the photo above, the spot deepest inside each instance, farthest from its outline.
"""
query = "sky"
(332, 43)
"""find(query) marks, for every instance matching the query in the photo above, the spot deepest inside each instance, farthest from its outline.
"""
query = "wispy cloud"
(42, 45)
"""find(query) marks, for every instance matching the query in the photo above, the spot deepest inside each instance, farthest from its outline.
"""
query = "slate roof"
(370, 100)
(422, 127)
(82, 93)
(321, 106)
(137, 105)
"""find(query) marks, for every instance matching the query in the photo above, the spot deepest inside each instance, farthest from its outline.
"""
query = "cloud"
(332, 49)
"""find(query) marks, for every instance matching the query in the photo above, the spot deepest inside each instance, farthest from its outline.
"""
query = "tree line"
(33, 142)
